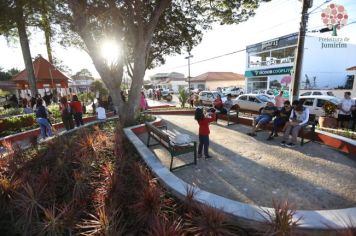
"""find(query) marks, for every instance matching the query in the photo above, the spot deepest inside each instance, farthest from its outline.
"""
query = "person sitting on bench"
(298, 119)
(219, 105)
(281, 119)
(267, 113)
(228, 104)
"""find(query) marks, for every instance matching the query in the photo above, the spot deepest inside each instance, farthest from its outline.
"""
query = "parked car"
(208, 97)
(234, 91)
(317, 93)
(315, 103)
(166, 95)
(252, 102)
(269, 93)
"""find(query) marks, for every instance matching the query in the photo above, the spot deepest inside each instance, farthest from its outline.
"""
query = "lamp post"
(188, 57)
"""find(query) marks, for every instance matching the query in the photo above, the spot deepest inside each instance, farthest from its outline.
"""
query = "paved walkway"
(255, 171)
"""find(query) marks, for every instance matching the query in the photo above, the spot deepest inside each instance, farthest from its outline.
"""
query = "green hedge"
(17, 123)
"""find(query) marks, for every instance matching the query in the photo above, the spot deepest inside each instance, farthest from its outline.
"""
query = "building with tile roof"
(215, 80)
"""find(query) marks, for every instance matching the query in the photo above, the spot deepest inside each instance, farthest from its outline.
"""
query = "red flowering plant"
(329, 109)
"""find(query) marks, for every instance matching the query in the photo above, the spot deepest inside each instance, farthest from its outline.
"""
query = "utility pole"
(188, 57)
(306, 4)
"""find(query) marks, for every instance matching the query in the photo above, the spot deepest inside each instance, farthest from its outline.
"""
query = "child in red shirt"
(203, 131)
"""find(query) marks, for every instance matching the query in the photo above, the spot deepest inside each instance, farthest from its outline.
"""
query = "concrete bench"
(165, 138)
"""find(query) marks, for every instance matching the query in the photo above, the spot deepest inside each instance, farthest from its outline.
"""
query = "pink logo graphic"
(334, 17)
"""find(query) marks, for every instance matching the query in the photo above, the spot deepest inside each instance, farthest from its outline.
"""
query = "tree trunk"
(25, 47)
(128, 112)
(47, 31)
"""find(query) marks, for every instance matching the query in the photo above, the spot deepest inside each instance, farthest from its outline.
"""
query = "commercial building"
(270, 63)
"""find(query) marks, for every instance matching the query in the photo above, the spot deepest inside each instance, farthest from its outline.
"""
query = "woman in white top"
(299, 118)
(100, 113)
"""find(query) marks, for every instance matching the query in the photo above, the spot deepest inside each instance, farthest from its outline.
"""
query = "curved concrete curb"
(310, 223)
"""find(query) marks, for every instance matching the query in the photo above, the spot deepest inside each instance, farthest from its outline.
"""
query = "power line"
(209, 59)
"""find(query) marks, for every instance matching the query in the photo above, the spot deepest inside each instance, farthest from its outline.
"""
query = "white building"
(270, 63)
(79, 84)
(172, 81)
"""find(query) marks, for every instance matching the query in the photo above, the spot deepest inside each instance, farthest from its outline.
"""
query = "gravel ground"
(255, 171)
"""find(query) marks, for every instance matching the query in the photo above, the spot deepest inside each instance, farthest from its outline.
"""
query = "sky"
(273, 19)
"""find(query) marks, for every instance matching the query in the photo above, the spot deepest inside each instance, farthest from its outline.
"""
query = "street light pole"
(188, 57)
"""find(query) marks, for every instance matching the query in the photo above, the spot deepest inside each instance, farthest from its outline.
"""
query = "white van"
(315, 103)
(317, 93)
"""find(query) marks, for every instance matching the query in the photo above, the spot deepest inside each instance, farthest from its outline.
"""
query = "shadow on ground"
(255, 171)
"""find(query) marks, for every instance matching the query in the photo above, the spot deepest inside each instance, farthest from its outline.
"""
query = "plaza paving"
(255, 171)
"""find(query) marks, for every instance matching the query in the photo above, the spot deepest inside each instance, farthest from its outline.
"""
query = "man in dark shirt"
(281, 119)
(268, 112)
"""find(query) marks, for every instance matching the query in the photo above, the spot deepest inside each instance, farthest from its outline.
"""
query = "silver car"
(252, 102)
(207, 98)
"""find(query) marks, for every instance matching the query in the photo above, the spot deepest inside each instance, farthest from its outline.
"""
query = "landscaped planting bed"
(93, 182)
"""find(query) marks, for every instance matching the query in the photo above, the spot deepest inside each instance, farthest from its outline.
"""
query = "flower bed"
(92, 182)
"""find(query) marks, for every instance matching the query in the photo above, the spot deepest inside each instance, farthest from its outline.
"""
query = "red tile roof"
(43, 71)
(217, 76)
(351, 68)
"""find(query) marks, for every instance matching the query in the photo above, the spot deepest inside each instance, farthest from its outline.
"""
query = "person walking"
(66, 113)
(279, 100)
(204, 130)
(143, 102)
(42, 120)
(77, 111)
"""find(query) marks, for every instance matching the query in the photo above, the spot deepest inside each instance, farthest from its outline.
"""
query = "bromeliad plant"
(329, 109)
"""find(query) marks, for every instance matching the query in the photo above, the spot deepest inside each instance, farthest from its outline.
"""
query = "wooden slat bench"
(233, 112)
(164, 137)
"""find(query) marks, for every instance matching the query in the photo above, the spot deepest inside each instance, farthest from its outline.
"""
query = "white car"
(317, 93)
(268, 93)
(234, 91)
(208, 97)
(252, 102)
(315, 103)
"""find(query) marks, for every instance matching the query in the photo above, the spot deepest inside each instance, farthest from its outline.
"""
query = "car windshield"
(263, 98)
(217, 93)
(330, 93)
(335, 101)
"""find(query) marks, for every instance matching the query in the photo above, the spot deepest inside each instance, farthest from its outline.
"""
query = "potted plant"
(328, 120)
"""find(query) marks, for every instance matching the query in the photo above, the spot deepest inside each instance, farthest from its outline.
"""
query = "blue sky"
(272, 20)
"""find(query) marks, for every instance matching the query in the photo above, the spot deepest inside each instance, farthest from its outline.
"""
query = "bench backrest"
(159, 133)
(312, 118)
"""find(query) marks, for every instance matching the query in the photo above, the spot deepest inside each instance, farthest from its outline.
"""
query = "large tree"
(146, 31)
(14, 15)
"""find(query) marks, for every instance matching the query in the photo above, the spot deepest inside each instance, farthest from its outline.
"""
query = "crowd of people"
(70, 107)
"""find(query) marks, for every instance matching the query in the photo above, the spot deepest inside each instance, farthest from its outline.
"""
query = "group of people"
(71, 114)
(291, 118)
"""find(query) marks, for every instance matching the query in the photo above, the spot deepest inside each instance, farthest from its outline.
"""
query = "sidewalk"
(253, 170)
